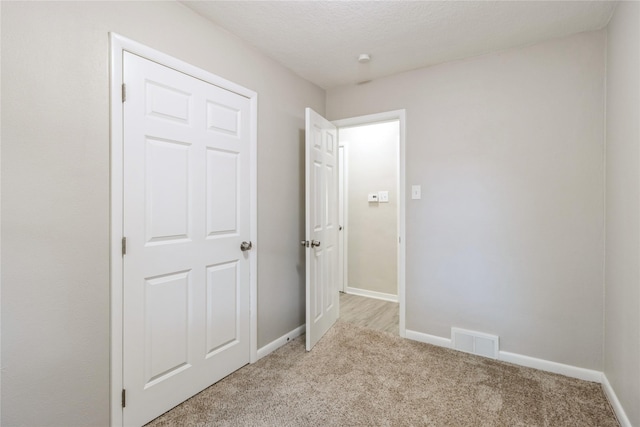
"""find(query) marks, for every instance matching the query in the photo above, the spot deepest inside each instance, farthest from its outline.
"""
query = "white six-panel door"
(186, 213)
(322, 294)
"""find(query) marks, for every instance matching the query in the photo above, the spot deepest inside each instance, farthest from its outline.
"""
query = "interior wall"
(508, 235)
(622, 287)
(55, 192)
(372, 226)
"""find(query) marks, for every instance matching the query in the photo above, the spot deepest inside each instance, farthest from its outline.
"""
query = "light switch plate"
(383, 196)
(416, 192)
(373, 197)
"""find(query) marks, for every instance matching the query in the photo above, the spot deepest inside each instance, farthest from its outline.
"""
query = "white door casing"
(183, 194)
(321, 202)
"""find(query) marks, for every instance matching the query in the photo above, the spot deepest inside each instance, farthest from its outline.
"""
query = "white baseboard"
(615, 403)
(372, 294)
(549, 366)
(429, 339)
(518, 359)
(279, 342)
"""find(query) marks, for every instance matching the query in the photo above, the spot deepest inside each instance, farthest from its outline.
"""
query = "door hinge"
(124, 92)
(124, 246)
(124, 398)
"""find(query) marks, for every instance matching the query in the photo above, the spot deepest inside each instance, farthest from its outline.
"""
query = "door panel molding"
(120, 45)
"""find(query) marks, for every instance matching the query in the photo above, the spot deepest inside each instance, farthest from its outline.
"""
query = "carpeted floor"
(360, 377)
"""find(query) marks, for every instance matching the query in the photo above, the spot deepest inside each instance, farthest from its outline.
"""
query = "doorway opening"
(371, 215)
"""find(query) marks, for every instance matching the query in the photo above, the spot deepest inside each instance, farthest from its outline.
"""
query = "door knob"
(315, 243)
(246, 246)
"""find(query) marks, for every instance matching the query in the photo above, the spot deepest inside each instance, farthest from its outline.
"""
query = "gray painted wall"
(373, 227)
(508, 236)
(55, 192)
(622, 288)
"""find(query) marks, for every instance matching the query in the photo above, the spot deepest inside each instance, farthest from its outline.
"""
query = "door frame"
(118, 45)
(369, 119)
(343, 210)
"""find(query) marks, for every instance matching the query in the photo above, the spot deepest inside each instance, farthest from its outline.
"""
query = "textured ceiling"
(321, 40)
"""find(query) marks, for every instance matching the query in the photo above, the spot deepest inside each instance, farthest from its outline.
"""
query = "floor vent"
(475, 342)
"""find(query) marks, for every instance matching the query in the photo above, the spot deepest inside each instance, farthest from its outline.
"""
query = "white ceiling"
(321, 40)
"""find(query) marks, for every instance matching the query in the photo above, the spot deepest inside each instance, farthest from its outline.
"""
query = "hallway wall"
(372, 226)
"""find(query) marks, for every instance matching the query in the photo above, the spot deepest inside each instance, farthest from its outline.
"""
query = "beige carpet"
(361, 377)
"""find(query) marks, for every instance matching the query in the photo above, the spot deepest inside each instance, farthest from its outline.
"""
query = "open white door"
(321, 201)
